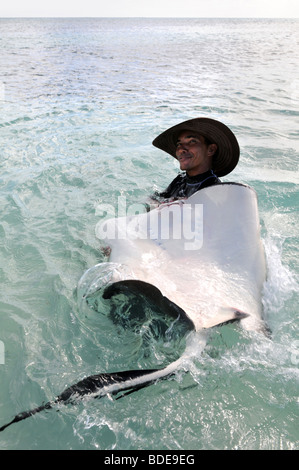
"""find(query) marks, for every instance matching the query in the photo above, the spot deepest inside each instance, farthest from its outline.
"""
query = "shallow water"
(81, 101)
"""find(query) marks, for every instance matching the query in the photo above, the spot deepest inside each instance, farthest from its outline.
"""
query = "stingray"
(204, 254)
(199, 260)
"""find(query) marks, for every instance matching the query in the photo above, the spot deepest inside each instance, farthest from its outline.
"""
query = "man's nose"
(182, 147)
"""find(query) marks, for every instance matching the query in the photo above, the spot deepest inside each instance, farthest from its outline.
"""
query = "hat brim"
(215, 131)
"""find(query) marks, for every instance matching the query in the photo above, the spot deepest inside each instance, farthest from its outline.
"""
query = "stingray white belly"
(203, 253)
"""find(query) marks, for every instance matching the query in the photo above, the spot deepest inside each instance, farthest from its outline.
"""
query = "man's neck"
(199, 175)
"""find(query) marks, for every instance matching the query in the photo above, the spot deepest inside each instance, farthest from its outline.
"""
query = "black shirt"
(184, 186)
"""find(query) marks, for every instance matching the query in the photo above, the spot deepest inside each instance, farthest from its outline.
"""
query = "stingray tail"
(111, 384)
(121, 383)
(27, 414)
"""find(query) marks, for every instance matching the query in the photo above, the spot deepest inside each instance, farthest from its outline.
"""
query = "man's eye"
(191, 141)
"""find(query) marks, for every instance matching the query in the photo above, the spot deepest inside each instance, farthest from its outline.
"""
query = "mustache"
(185, 155)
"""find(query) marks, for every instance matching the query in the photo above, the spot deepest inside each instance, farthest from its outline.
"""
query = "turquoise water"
(81, 100)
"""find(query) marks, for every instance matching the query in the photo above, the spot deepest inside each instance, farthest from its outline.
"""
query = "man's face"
(194, 155)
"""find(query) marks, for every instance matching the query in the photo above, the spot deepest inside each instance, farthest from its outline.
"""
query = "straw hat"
(228, 152)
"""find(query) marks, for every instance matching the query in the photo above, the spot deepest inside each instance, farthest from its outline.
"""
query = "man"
(205, 149)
